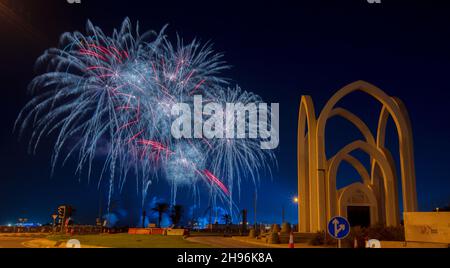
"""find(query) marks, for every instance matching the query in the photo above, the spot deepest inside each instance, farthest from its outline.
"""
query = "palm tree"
(161, 208)
(177, 211)
(193, 222)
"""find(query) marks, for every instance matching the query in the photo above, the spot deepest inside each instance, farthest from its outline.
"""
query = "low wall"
(157, 231)
(403, 244)
(15, 229)
(75, 229)
(146, 231)
(176, 232)
(431, 227)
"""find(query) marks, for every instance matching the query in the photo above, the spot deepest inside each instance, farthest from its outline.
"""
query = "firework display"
(113, 95)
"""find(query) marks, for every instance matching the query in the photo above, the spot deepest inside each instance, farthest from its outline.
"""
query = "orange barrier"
(158, 231)
(149, 231)
(138, 231)
(180, 232)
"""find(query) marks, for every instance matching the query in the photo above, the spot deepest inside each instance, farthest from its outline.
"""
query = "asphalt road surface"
(13, 242)
(222, 242)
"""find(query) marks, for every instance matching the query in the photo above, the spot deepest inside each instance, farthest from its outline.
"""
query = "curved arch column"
(406, 155)
(334, 164)
(307, 184)
(391, 203)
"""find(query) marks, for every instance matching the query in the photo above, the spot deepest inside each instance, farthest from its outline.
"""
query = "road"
(222, 242)
(13, 242)
(17, 241)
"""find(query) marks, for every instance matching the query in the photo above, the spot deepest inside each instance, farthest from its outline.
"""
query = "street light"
(325, 183)
(295, 200)
(54, 216)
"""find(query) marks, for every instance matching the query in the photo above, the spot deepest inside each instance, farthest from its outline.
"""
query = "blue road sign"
(338, 227)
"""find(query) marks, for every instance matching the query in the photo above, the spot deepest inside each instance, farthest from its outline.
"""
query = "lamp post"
(326, 193)
(295, 200)
(54, 216)
(254, 210)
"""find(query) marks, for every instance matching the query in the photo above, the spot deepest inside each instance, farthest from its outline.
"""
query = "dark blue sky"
(279, 50)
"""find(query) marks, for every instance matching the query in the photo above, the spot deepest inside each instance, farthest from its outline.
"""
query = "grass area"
(130, 241)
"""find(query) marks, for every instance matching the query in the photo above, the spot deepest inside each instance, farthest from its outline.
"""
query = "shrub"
(379, 232)
(319, 239)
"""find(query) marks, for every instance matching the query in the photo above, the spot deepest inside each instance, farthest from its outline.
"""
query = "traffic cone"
(291, 240)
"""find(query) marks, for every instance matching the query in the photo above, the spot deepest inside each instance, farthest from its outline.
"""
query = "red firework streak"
(156, 146)
(215, 180)
(100, 52)
(159, 147)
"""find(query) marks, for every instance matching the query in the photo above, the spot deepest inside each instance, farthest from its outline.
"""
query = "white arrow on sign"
(337, 229)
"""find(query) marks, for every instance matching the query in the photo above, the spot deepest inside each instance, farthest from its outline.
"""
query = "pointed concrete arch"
(346, 193)
(305, 148)
(391, 204)
(357, 165)
(331, 187)
(314, 168)
(305, 152)
(408, 183)
(356, 121)
(406, 158)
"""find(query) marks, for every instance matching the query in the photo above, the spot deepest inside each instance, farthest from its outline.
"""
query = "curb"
(46, 243)
(252, 241)
(42, 243)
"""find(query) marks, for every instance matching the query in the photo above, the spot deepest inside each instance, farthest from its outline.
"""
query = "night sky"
(277, 50)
